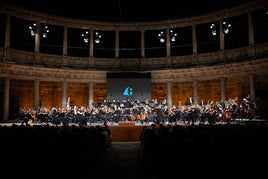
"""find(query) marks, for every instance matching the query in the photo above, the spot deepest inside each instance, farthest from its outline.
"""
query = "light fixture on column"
(85, 37)
(45, 31)
(213, 29)
(172, 35)
(32, 29)
(225, 26)
(97, 37)
(161, 35)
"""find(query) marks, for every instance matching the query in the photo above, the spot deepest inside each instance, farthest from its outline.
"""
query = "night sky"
(126, 10)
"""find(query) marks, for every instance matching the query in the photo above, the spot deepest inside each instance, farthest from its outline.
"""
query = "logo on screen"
(127, 91)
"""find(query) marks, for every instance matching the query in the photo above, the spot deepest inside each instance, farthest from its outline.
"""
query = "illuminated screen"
(134, 86)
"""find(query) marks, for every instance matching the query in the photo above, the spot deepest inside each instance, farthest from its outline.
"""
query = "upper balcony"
(203, 40)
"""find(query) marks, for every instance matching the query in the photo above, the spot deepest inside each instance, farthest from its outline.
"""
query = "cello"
(227, 116)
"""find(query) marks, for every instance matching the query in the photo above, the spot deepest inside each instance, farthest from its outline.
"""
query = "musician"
(25, 116)
(159, 114)
(128, 104)
(189, 102)
(54, 116)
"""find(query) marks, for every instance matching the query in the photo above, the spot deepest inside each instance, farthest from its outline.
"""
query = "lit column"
(37, 38)
(91, 43)
(117, 44)
(36, 94)
(142, 44)
(7, 36)
(250, 29)
(6, 100)
(222, 42)
(65, 41)
(252, 86)
(7, 32)
(194, 39)
(223, 89)
(251, 51)
(195, 91)
(37, 43)
(168, 41)
(169, 95)
(91, 95)
(64, 95)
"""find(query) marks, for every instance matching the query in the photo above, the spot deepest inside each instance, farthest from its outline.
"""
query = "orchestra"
(144, 112)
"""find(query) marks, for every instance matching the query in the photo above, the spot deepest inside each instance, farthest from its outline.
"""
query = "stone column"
(142, 44)
(252, 86)
(6, 100)
(37, 38)
(194, 39)
(168, 41)
(37, 44)
(65, 41)
(91, 43)
(91, 95)
(64, 95)
(36, 94)
(7, 32)
(169, 95)
(195, 91)
(7, 37)
(251, 51)
(222, 42)
(223, 89)
(117, 44)
(195, 55)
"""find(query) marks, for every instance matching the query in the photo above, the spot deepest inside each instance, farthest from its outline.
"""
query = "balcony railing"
(8, 55)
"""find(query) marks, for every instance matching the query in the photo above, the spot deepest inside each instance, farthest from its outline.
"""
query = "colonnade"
(117, 37)
(91, 94)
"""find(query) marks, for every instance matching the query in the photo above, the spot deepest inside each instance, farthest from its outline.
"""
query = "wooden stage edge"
(126, 131)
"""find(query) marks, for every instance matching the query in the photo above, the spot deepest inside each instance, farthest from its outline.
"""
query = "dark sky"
(126, 10)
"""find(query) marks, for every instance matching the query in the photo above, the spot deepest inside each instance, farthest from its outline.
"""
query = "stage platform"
(125, 131)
